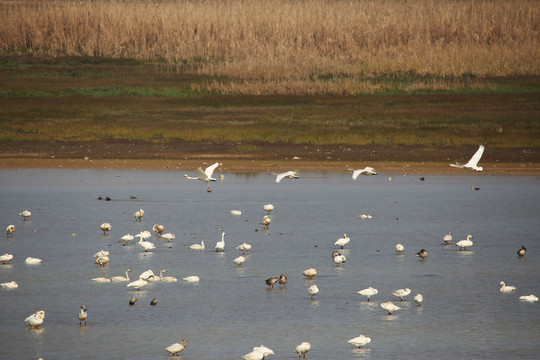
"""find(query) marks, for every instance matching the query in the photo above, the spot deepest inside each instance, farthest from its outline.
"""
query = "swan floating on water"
(529, 298)
(448, 237)
(36, 319)
(220, 245)
(268, 208)
(32, 261)
(102, 279)
(9, 285)
(506, 288)
(6, 258)
(368, 292)
(121, 278)
(401, 293)
(418, 299)
(365, 216)
(166, 278)
(473, 162)
(302, 349)
(198, 246)
(192, 278)
(309, 273)
(243, 247)
(177, 348)
(360, 341)
(10, 230)
(235, 212)
(105, 227)
(25, 214)
(101, 253)
(343, 241)
(137, 284)
(464, 244)
(390, 307)
(422, 254)
(83, 315)
(368, 170)
(139, 215)
(287, 175)
(313, 290)
(239, 260)
(399, 248)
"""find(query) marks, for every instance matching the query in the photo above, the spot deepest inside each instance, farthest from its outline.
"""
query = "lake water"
(231, 309)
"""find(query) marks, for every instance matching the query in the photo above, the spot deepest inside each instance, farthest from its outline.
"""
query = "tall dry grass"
(287, 46)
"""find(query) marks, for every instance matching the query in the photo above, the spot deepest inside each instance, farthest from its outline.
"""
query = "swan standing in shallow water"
(6, 258)
(239, 260)
(473, 162)
(448, 237)
(139, 215)
(177, 348)
(339, 259)
(287, 175)
(35, 320)
(127, 238)
(121, 278)
(342, 241)
(101, 253)
(506, 288)
(32, 261)
(529, 298)
(137, 284)
(198, 246)
(401, 293)
(268, 208)
(220, 245)
(264, 350)
(10, 230)
(243, 247)
(147, 275)
(146, 245)
(368, 170)
(83, 315)
(309, 273)
(192, 278)
(390, 307)
(25, 214)
(313, 290)
(302, 349)
(266, 221)
(9, 285)
(158, 229)
(105, 227)
(464, 244)
(360, 341)
(168, 236)
(399, 248)
(102, 260)
(368, 292)
(418, 299)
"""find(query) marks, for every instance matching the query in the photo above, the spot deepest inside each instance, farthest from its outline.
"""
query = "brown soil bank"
(124, 154)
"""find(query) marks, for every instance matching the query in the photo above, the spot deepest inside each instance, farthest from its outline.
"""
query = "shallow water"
(232, 310)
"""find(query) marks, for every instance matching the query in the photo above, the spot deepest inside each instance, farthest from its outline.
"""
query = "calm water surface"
(232, 310)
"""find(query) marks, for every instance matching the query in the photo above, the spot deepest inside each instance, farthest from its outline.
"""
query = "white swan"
(342, 241)
(158, 229)
(127, 238)
(102, 279)
(102, 260)
(25, 214)
(144, 235)
(146, 245)
(83, 315)
(35, 320)
(254, 355)
(220, 245)
(10, 285)
(6, 258)
(138, 215)
(32, 261)
(313, 290)
(192, 278)
(243, 247)
(473, 162)
(239, 260)
(368, 170)
(506, 288)
(235, 212)
(137, 284)
(399, 248)
(529, 298)
(268, 208)
(401, 293)
(204, 175)
(168, 236)
(264, 350)
(266, 221)
(101, 253)
(105, 227)
(198, 246)
(339, 259)
(166, 278)
(10, 230)
(368, 292)
(448, 238)
(365, 216)
(121, 278)
(287, 175)
(302, 349)
(418, 299)
(390, 307)
(464, 244)
(177, 348)
(360, 341)
(147, 275)
(309, 273)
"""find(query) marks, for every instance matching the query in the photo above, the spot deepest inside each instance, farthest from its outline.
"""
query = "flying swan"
(204, 175)
(473, 163)
(368, 170)
(287, 175)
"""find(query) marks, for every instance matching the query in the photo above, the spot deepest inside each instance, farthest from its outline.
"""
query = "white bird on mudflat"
(105, 227)
(101, 253)
(168, 236)
(204, 175)
(287, 175)
(368, 170)
(177, 348)
(10, 230)
(360, 341)
(399, 248)
(25, 214)
(137, 284)
(6, 258)
(239, 260)
(198, 246)
(102, 260)
(473, 162)
(243, 247)
(138, 215)
(506, 288)
(313, 290)
(121, 278)
(127, 238)
(302, 349)
(268, 208)
(220, 245)
(342, 241)
(83, 315)
(464, 244)
(147, 275)
(390, 307)
(418, 299)
(146, 245)
(235, 212)
(448, 237)
(401, 293)
(158, 229)
(9, 285)
(32, 261)
(36, 319)
(309, 273)
(529, 298)
(368, 292)
(102, 279)
(192, 278)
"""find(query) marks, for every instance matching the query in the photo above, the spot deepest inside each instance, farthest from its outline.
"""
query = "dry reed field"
(291, 47)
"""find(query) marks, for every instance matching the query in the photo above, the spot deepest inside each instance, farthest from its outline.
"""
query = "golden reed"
(303, 46)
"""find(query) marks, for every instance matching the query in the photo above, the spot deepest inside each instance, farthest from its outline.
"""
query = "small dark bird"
(521, 252)
(475, 188)
(83, 315)
(133, 301)
(132, 197)
(422, 179)
(153, 302)
(209, 190)
(271, 281)
(107, 199)
(100, 197)
(422, 254)
(282, 280)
